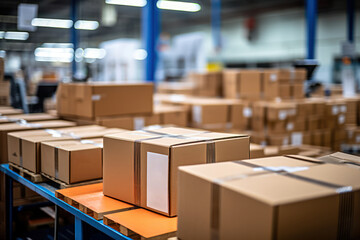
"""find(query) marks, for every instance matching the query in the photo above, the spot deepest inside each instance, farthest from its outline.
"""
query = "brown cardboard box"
(30, 157)
(251, 86)
(97, 100)
(27, 117)
(211, 115)
(129, 122)
(176, 115)
(280, 111)
(342, 159)
(259, 137)
(285, 91)
(300, 138)
(149, 178)
(13, 127)
(256, 151)
(240, 115)
(73, 161)
(231, 83)
(277, 127)
(207, 84)
(15, 143)
(279, 139)
(317, 137)
(300, 75)
(231, 201)
(297, 91)
(271, 84)
(186, 88)
(10, 111)
(313, 123)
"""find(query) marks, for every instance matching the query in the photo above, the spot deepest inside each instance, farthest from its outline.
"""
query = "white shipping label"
(96, 97)
(157, 182)
(273, 77)
(335, 110)
(247, 112)
(282, 114)
(197, 114)
(343, 108)
(296, 138)
(350, 134)
(341, 119)
(290, 126)
(139, 123)
(357, 138)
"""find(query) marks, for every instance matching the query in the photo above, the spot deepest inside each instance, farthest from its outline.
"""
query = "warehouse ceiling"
(128, 19)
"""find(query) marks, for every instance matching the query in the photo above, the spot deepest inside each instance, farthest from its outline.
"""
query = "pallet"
(33, 177)
(141, 224)
(62, 185)
(91, 200)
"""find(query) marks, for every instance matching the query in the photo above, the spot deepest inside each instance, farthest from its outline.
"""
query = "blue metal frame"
(216, 23)
(74, 32)
(350, 20)
(80, 217)
(311, 21)
(150, 36)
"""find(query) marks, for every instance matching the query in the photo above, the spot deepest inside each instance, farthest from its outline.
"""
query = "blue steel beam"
(311, 21)
(350, 20)
(150, 36)
(73, 32)
(216, 23)
(49, 195)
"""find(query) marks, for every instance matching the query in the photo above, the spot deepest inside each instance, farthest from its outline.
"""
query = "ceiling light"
(133, 3)
(57, 45)
(16, 35)
(2, 33)
(98, 53)
(52, 23)
(178, 6)
(86, 25)
(140, 54)
(54, 54)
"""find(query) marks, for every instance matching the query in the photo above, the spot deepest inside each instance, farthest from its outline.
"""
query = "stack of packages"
(69, 155)
(289, 197)
(146, 162)
(4, 86)
(207, 84)
(184, 88)
(103, 104)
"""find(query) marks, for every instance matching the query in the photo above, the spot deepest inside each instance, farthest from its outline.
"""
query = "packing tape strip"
(345, 205)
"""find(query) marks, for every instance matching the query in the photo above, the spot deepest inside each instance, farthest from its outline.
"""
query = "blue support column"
(311, 21)
(350, 20)
(216, 23)
(150, 36)
(78, 229)
(74, 32)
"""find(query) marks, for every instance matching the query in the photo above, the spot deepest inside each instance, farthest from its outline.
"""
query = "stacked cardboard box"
(207, 84)
(2, 69)
(270, 84)
(4, 93)
(91, 100)
(149, 162)
(186, 88)
(269, 198)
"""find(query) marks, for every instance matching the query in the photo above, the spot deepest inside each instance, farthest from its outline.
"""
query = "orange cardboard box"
(251, 86)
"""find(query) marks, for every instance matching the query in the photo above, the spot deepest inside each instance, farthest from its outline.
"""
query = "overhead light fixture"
(178, 6)
(16, 35)
(86, 25)
(52, 23)
(2, 33)
(43, 54)
(57, 45)
(140, 54)
(133, 3)
(97, 53)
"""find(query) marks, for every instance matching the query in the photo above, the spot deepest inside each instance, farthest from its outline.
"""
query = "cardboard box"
(129, 122)
(210, 115)
(279, 140)
(297, 91)
(175, 115)
(13, 127)
(251, 86)
(256, 151)
(93, 100)
(10, 111)
(73, 161)
(186, 88)
(207, 84)
(342, 159)
(271, 84)
(240, 115)
(231, 83)
(285, 91)
(281, 111)
(15, 141)
(316, 138)
(30, 155)
(27, 117)
(233, 201)
(149, 161)
(300, 138)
